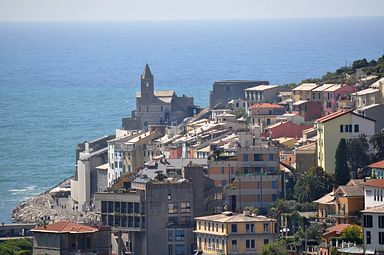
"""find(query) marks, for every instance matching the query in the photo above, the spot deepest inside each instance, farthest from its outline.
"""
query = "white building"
(87, 180)
(373, 219)
(373, 216)
(373, 193)
(127, 153)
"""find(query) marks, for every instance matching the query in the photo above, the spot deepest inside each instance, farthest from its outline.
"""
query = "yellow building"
(333, 127)
(303, 91)
(230, 233)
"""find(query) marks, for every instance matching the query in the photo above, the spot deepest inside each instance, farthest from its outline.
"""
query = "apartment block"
(155, 215)
(231, 233)
(247, 172)
(333, 127)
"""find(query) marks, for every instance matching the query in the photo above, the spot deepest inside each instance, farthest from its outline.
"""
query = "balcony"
(213, 250)
(128, 147)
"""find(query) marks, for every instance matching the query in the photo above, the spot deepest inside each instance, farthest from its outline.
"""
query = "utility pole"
(305, 240)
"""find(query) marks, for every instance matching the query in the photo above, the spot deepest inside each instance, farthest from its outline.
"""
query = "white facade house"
(128, 153)
(373, 216)
(373, 219)
(85, 183)
(373, 193)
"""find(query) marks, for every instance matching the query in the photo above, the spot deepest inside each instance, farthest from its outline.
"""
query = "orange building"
(349, 201)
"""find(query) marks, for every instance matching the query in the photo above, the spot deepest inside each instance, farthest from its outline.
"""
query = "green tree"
(353, 234)
(357, 149)
(275, 248)
(377, 142)
(240, 113)
(280, 206)
(313, 232)
(20, 246)
(342, 175)
(360, 63)
(312, 185)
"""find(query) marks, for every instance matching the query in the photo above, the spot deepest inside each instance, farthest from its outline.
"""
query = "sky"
(120, 10)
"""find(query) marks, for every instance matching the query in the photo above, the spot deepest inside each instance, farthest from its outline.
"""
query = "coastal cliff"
(49, 206)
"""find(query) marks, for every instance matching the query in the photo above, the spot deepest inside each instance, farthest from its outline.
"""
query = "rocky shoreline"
(53, 205)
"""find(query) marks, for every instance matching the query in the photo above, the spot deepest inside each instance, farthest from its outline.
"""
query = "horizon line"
(202, 19)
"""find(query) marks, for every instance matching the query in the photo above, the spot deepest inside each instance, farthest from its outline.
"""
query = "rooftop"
(322, 87)
(261, 87)
(300, 102)
(351, 191)
(241, 81)
(368, 107)
(379, 164)
(334, 88)
(336, 230)
(305, 87)
(369, 77)
(234, 217)
(85, 156)
(307, 147)
(266, 106)
(147, 74)
(338, 114)
(65, 227)
(378, 183)
(326, 199)
(332, 116)
(376, 209)
(365, 92)
(376, 84)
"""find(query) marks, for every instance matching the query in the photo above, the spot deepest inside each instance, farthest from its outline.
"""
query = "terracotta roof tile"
(266, 105)
(65, 227)
(379, 164)
(351, 191)
(335, 230)
(332, 116)
(378, 183)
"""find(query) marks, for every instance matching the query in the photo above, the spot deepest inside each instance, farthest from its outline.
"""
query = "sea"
(62, 83)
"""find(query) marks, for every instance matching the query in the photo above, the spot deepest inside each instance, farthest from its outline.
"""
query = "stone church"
(161, 107)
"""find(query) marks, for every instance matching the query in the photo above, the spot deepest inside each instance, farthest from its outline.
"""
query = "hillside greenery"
(22, 246)
(349, 74)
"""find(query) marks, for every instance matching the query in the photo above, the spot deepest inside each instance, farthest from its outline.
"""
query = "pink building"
(175, 152)
(286, 129)
(310, 110)
(337, 97)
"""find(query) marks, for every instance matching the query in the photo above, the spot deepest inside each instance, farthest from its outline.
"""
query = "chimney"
(86, 145)
(247, 213)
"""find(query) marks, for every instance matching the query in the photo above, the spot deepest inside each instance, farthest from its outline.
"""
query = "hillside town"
(264, 169)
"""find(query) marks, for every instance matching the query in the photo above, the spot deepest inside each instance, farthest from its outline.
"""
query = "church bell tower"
(147, 82)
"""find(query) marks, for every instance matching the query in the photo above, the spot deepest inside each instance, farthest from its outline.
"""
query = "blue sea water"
(63, 83)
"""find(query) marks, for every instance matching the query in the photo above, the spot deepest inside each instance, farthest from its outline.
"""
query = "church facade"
(161, 107)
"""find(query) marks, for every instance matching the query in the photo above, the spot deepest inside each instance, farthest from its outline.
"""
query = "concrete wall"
(377, 114)
(224, 91)
(131, 123)
(86, 183)
(158, 197)
(287, 129)
(62, 243)
(305, 160)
